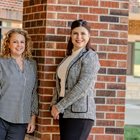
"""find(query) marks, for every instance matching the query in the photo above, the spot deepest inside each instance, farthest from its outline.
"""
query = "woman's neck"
(76, 49)
(20, 62)
(17, 58)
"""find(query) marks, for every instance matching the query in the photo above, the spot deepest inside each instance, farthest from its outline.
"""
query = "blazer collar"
(81, 53)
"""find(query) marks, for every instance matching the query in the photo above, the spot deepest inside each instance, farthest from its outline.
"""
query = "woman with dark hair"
(73, 103)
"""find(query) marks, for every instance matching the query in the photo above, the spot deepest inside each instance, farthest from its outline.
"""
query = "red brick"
(68, 2)
(100, 85)
(116, 101)
(98, 130)
(109, 34)
(121, 79)
(122, 64)
(108, 63)
(117, 56)
(47, 83)
(119, 116)
(120, 93)
(99, 40)
(89, 17)
(124, 20)
(78, 9)
(120, 108)
(56, 8)
(55, 23)
(52, 129)
(61, 46)
(100, 115)
(107, 78)
(51, 15)
(100, 10)
(109, 4)
(102, 56)
(118, 41)
(123, 35)
(91, 137)
(99, 25)
(118, 27)
(50, 30)
(66, 16)
(63, 31)
(105, 123)
(119, 137)
(45, 137)
(44, 99)
(123, 49)
(104, 137)
(44, 113)
(42, 121)
(120, 123)
(55, 137)
(89, 3)
(106, 93)
(105, 108)
(54, 53)
(51, 1)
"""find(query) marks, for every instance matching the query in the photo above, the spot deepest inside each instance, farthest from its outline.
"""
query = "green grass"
(132, 132)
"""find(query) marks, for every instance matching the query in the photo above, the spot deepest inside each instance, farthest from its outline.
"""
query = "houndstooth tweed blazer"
(78, 101)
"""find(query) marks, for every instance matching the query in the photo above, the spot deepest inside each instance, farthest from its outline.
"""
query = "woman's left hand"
(31, 125)
(55, 112)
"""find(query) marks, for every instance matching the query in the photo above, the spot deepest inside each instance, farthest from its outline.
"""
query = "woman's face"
(17, 44)
(80, 37)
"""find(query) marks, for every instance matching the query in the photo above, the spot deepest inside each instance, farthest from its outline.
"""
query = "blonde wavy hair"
(28, 43)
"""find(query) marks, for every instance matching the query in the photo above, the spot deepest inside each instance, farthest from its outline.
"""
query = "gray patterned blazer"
(79, 87)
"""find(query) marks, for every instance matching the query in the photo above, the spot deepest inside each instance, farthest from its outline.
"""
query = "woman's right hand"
(55, 112)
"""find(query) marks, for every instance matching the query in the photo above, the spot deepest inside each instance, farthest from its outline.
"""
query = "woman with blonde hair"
(18, 85)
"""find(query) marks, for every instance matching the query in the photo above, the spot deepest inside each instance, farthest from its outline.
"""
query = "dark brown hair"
(77, 23)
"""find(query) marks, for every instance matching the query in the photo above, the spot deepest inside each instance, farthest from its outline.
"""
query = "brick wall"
(47, 22)
(11, 9)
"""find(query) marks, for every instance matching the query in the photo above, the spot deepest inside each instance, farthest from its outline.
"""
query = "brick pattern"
(47, 22)
(11, 9)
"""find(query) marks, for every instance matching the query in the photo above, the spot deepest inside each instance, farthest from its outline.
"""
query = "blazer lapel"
(82, 52)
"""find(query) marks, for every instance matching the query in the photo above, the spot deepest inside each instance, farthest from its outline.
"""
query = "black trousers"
(74, 129)
(11, 131)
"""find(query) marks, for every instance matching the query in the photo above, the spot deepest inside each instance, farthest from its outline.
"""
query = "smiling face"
(17, 44)
(80, 37)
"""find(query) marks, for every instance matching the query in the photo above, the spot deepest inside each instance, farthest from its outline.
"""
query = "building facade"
(10, 15)
(48, 24)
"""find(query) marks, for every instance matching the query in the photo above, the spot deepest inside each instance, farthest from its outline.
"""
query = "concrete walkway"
(28, 137)
(132, 112)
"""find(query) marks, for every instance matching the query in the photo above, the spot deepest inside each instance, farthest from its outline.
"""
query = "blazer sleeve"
(34, 104)
(89, 69)
(55, 95)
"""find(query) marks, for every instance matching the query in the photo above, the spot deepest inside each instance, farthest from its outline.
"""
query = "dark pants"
(74, 129)
(11, 131)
